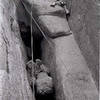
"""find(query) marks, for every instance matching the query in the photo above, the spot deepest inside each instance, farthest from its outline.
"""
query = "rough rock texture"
(85, 24)
(45, 15)
(13, 78)
(44, 84)
(72, 77)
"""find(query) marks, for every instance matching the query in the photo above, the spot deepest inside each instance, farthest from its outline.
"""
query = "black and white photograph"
(49, 49)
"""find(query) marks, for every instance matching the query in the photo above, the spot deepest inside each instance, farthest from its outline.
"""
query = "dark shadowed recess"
(26, 37)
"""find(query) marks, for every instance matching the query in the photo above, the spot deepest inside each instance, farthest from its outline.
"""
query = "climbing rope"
(31, 34)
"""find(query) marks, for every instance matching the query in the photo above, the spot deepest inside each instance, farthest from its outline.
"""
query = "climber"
(38, 77)
(58, 2)
(30, 72)
(63, 5)
(44, 83)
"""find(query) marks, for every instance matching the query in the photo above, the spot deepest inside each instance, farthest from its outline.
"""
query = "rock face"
(69, 69)
(45, 15)
(72, 78)
(13, 78)
(85, 24)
